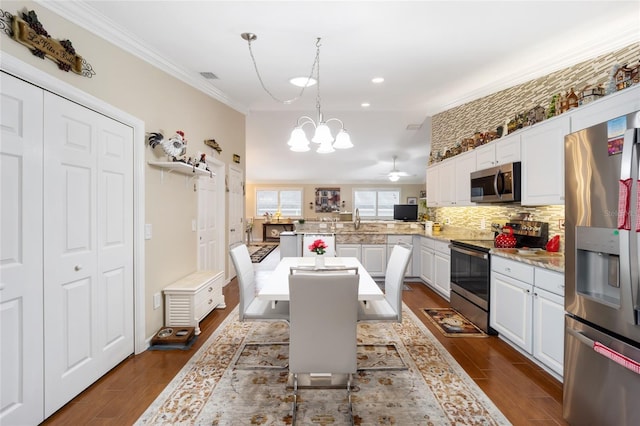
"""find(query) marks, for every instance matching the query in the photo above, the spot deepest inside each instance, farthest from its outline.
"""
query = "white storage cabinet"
(427, 256)
(442, 268)
(501, 151)
(374, 259)
(527, 308)
(190, 299)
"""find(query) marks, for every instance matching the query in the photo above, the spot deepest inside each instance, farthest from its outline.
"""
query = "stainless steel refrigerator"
(602, 296)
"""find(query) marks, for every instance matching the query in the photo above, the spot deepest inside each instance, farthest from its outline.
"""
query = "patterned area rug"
(213, 389)
(258, 253)
(452, 323)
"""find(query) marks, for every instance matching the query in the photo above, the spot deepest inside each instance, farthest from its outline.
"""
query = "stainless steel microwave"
(499, 184)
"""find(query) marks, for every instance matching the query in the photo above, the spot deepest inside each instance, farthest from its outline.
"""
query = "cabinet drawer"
(206, 292)
(550, 281)
(513, 269)
(427, 243)
(395, 239)
(442, 247)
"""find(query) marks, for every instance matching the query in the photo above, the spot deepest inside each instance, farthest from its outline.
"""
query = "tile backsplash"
(473, 217)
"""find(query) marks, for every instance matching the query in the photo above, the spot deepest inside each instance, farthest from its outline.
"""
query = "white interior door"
(208, 224)
(21, 270)
(88, 240)
(236, 205)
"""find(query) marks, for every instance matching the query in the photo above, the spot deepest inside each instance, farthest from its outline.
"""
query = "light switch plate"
(157, 300)
(148, 231)
(391, 225)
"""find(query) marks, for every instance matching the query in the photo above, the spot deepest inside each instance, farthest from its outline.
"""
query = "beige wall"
(162, 102)
(309, 191)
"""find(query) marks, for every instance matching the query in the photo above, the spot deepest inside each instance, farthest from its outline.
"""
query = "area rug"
(432, 390)
(258, 253)
(451, 323)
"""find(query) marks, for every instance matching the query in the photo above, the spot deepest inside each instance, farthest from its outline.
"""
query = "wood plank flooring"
(524, 392)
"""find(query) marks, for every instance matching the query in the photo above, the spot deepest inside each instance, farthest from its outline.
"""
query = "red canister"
(506, 240)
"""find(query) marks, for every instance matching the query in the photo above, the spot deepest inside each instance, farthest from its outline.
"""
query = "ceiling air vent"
(414, 126)
(209, 75)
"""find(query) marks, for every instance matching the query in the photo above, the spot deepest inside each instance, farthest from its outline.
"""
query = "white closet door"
(88, 240)
(208, 225)
(236, 206)
(21, 348)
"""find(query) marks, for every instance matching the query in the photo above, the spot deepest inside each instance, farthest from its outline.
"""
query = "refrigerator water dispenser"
(598, 264)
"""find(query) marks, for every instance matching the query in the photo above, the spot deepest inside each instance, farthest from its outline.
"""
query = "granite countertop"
(543, 259)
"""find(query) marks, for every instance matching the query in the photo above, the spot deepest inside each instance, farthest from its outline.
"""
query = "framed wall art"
(327, 200)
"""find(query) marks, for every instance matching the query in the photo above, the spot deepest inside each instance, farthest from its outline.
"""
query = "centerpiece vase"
(319, 261)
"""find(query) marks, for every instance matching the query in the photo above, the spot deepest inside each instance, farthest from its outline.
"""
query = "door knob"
(77, 267)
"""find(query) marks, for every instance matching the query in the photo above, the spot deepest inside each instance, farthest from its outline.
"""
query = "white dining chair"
(389, 308)
(323, 329)
(250, 307)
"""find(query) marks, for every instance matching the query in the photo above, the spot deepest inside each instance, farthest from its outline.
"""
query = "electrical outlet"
(561, 223)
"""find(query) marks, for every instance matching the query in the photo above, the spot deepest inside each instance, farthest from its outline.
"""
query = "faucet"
(356, 222)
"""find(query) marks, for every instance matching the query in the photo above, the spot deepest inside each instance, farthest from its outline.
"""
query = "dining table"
(276, 286)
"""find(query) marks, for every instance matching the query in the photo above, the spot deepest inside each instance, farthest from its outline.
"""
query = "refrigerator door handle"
(625, 183)
(606, 351)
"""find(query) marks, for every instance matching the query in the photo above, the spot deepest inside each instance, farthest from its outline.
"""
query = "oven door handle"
(481, 255)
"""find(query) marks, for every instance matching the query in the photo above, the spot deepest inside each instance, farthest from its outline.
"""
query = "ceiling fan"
(394, 175)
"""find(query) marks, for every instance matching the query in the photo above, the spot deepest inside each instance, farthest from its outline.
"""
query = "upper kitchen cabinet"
(501, 151)
(448, 181)
(542, 148)
(611, 106)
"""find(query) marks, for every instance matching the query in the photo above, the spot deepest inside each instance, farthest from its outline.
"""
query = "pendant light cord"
(316, 63)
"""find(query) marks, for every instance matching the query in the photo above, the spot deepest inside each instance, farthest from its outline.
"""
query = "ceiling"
(433, 55)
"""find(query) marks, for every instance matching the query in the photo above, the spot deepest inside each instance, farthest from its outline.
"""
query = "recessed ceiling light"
(365, 104)
(377, 80)
(303, 81)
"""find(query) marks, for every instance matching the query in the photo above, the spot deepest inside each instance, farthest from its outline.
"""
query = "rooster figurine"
(174, 147)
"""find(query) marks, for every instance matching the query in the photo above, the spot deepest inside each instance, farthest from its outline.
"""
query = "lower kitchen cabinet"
(427, 256)
(527, 309)
(374, 259)
(349, 250)
(442, 272)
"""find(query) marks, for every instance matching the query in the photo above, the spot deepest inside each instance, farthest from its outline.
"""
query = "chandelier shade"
(298, 141)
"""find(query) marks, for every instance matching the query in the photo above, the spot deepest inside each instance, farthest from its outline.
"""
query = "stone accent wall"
(484, 114)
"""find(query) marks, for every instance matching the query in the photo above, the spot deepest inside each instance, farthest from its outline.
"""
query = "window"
(287, 201)
(376, 203)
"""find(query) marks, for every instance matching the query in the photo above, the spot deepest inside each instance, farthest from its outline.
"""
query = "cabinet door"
(543, 162)
(485, 156)
(427, 257)
(508, 149)
(442, 274)
(432, 185)
(348, 250)
(374, 259)
(465, 164)
(548, 329)
(510, 313)
(447, 184)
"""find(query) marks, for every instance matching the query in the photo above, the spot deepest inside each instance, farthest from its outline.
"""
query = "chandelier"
(322, 136)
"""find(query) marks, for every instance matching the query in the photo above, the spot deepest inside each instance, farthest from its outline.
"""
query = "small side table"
(266, 227)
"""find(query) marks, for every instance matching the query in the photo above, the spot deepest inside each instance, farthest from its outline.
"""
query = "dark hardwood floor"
(524, 392)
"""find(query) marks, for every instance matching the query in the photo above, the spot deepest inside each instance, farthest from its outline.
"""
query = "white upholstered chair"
(389, 308)
(323, 328)
(251, 308)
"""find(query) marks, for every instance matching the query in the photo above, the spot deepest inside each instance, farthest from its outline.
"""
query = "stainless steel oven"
(470, 280)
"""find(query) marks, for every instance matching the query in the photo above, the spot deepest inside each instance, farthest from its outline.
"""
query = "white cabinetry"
(374, 259)
(442, 268)
(543, 162)
(448, 181)
(501, 151)
(611, 106)
(465, 164)
(527, 308)
(349, 250)
(190, 299)
(427, 255)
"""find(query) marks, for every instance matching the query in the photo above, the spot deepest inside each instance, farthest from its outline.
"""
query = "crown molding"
(86, 17)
